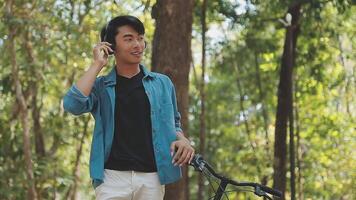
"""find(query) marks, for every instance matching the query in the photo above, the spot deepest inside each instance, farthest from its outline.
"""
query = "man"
(138, 145)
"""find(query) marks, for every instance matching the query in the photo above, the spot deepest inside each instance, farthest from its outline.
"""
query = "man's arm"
(181, 149)
(86, 81)
(80, 98)
(100, 52)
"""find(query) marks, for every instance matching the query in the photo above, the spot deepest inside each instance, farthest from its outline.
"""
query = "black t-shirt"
(132, 147)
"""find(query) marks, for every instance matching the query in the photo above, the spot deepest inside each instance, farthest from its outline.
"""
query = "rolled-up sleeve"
(77, 103)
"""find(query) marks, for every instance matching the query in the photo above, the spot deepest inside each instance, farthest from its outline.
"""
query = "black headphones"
(105, 39)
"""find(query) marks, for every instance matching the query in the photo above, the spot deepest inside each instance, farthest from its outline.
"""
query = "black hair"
(109, 31)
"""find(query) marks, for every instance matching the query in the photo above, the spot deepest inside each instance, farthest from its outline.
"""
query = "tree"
(244, 44)
(171, 55)
(202, 134)
(285, 102)
(22, 101)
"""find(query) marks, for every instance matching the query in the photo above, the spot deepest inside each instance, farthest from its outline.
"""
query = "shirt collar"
(110, 78)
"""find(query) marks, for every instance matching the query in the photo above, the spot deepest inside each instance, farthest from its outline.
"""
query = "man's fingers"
(103, 45)
(173, 146)
(184, 153)
(187, 158)
(105, 50)
(106, 43)
(106, 56)
(182, 158)
(108, 48)
(191, 156)
(177, 155)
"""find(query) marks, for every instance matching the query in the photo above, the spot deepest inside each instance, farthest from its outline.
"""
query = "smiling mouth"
(137, 53)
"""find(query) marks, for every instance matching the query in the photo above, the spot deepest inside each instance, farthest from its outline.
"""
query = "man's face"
(129, 45)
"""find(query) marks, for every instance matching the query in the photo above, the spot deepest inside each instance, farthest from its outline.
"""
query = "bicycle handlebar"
(200, 165)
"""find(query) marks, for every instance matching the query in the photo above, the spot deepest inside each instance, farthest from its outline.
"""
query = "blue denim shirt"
(165, 120)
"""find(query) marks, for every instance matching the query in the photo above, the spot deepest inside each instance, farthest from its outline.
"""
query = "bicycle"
(204, 167)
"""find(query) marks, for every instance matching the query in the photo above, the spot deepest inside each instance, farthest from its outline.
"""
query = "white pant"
(129, 185)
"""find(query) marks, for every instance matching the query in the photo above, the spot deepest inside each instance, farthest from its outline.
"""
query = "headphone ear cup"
(105, 37)
(112, 45)
(113, 48)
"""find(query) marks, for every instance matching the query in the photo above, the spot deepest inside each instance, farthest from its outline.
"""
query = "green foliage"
(242, 77)
(62, 34)
(324, 96)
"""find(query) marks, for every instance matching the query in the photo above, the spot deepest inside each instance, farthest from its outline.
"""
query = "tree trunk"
(36, 110)
(31, 191)
(171, 55)
(72, 191)
(285, 101)
(202, 99)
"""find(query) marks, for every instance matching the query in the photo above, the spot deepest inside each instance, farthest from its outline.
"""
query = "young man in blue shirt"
(138, 145)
